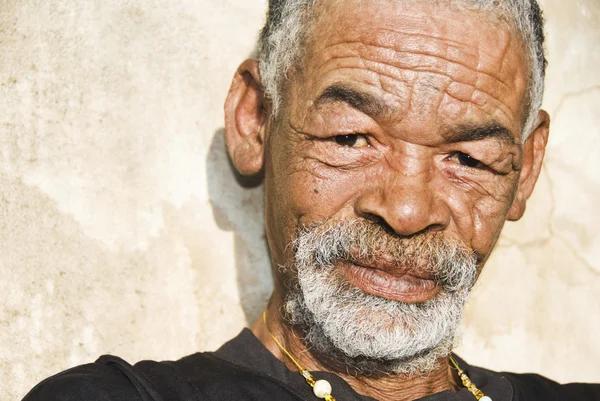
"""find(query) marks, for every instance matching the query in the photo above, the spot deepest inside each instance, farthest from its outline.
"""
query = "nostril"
(380, 221)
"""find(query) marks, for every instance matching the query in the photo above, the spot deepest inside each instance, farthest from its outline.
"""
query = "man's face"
(403, 116)
(409, 115)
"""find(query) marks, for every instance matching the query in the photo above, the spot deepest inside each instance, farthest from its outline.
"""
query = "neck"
(389, 387)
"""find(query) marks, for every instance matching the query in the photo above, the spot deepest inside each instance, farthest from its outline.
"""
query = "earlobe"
(534, 150)
(517, 210)
(245, 119)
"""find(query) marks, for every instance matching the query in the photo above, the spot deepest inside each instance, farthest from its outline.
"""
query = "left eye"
(351, 141)
(469, 161)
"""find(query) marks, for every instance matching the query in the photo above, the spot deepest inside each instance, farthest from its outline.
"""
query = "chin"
(350, 330)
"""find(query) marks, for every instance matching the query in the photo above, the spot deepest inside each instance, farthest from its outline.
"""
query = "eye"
(469, 161)
(352, 140)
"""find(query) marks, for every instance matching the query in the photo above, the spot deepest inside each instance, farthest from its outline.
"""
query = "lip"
(397, 285)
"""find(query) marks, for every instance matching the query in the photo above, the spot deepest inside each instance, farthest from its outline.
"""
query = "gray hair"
(281, 39)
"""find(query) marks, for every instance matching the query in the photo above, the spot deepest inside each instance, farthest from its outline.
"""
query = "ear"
(533, 156)
(245, 119)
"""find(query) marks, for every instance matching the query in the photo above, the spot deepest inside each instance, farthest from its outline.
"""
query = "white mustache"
(452, 265)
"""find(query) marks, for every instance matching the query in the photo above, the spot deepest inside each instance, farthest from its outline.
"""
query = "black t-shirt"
(243, 369)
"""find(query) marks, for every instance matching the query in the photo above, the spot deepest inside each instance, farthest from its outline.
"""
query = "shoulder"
(91, 382)
(536, 387)
(111, 378)
(211, 377)
(201, 376)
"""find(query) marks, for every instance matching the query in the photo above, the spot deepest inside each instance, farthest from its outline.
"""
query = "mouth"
(399, 285)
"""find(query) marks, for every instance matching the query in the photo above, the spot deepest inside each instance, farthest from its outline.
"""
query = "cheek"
(302, 191)
(487, 217)
(322, 194)
(479, 210)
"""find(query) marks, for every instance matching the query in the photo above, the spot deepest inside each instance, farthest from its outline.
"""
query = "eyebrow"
(361, 101)
(475, 132)
(374, 107)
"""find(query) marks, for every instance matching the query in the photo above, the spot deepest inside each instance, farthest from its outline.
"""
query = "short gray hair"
(281, 39)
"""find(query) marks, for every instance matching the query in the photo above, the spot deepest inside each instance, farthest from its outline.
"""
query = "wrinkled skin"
(420, 131)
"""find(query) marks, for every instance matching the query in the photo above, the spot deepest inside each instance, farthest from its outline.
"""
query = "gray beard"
(361, 334)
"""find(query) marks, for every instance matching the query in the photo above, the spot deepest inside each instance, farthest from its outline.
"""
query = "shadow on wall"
(237, 204)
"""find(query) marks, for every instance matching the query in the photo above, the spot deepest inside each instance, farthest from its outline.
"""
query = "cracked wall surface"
(123, 229)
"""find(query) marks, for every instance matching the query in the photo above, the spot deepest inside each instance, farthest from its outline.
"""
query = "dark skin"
(401, 115)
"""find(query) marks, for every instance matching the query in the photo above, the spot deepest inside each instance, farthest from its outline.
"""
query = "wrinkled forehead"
(432, 26)
(454, 27)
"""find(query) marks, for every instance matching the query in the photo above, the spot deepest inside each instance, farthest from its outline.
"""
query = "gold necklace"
(322, 388)
(468, 383)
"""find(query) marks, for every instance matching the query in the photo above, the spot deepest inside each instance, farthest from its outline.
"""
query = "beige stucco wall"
(123, 230)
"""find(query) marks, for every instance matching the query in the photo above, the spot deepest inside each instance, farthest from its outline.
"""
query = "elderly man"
(396, 137)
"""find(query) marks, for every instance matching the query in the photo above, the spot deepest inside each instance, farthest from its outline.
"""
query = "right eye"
(351, 140)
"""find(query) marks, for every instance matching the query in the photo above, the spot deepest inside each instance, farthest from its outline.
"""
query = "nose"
(406, 204)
